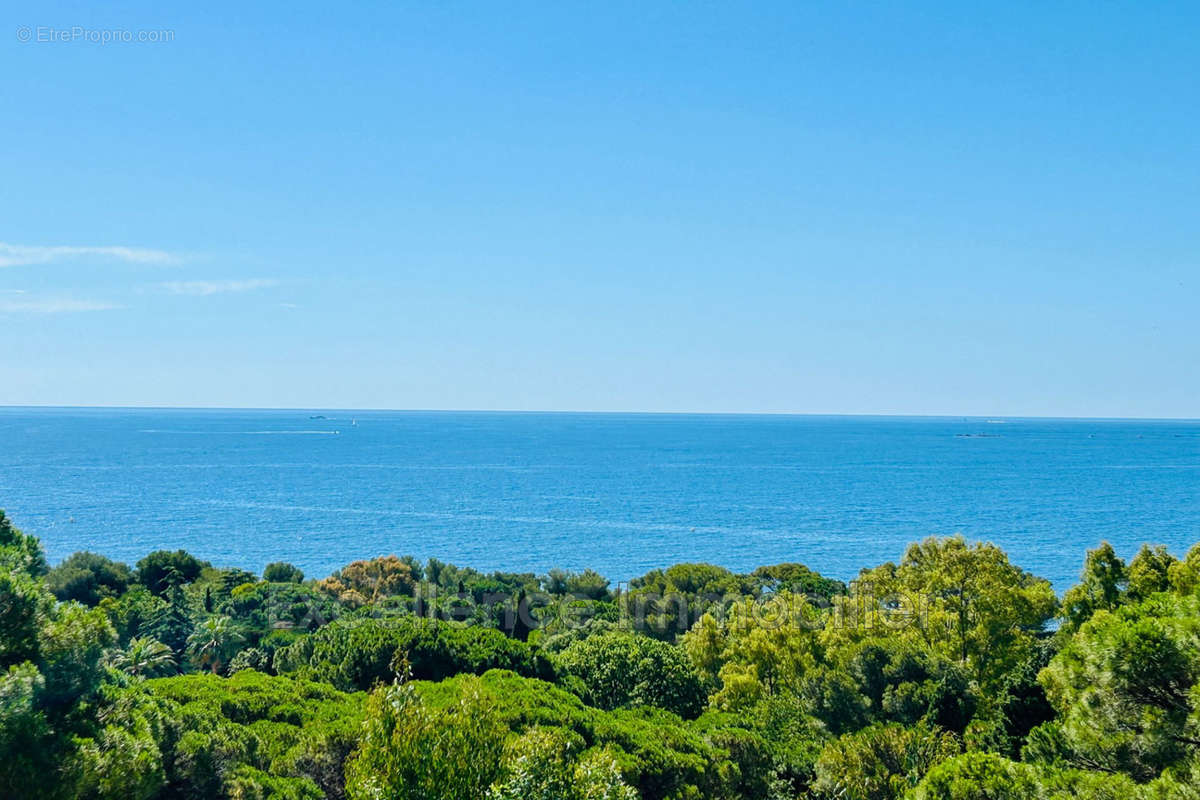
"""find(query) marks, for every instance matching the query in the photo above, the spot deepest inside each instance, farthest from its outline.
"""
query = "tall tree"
(144, 657)
(89, 578)
(410, 751)
(164, 570)
(965, 600)
(1102, 585)
(212, 641)
(1127, 690)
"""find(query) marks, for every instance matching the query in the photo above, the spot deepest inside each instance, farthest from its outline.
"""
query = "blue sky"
(855, 208)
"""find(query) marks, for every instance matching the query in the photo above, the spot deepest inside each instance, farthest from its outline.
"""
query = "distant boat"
(995, 422)
(318, 416)
(353, 423)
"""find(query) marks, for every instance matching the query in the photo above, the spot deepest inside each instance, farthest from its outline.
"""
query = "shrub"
(619, 669)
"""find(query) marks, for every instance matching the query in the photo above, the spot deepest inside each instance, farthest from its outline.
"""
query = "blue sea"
(621, 493)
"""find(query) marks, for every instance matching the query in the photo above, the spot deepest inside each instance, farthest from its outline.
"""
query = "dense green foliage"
(619, 669)
(362, 652)
(253, 734)
(88, 578)
(948, 675)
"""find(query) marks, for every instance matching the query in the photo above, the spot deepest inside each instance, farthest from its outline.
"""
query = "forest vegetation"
(948, 674)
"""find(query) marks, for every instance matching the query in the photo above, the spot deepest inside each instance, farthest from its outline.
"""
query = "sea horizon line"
(601, 412)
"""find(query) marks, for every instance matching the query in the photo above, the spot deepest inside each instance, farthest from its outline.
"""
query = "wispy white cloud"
(14, 255)
(217, 287)
(60, 305)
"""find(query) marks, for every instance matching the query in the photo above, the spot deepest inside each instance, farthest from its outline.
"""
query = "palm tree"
(211, 641)
(144, 657)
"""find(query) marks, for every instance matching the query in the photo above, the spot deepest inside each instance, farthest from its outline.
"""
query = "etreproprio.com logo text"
(49, 34)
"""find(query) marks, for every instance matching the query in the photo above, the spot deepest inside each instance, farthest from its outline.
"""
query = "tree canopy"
(949, 674)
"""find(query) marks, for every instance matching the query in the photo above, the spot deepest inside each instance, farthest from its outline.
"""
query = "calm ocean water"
(621, 493)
